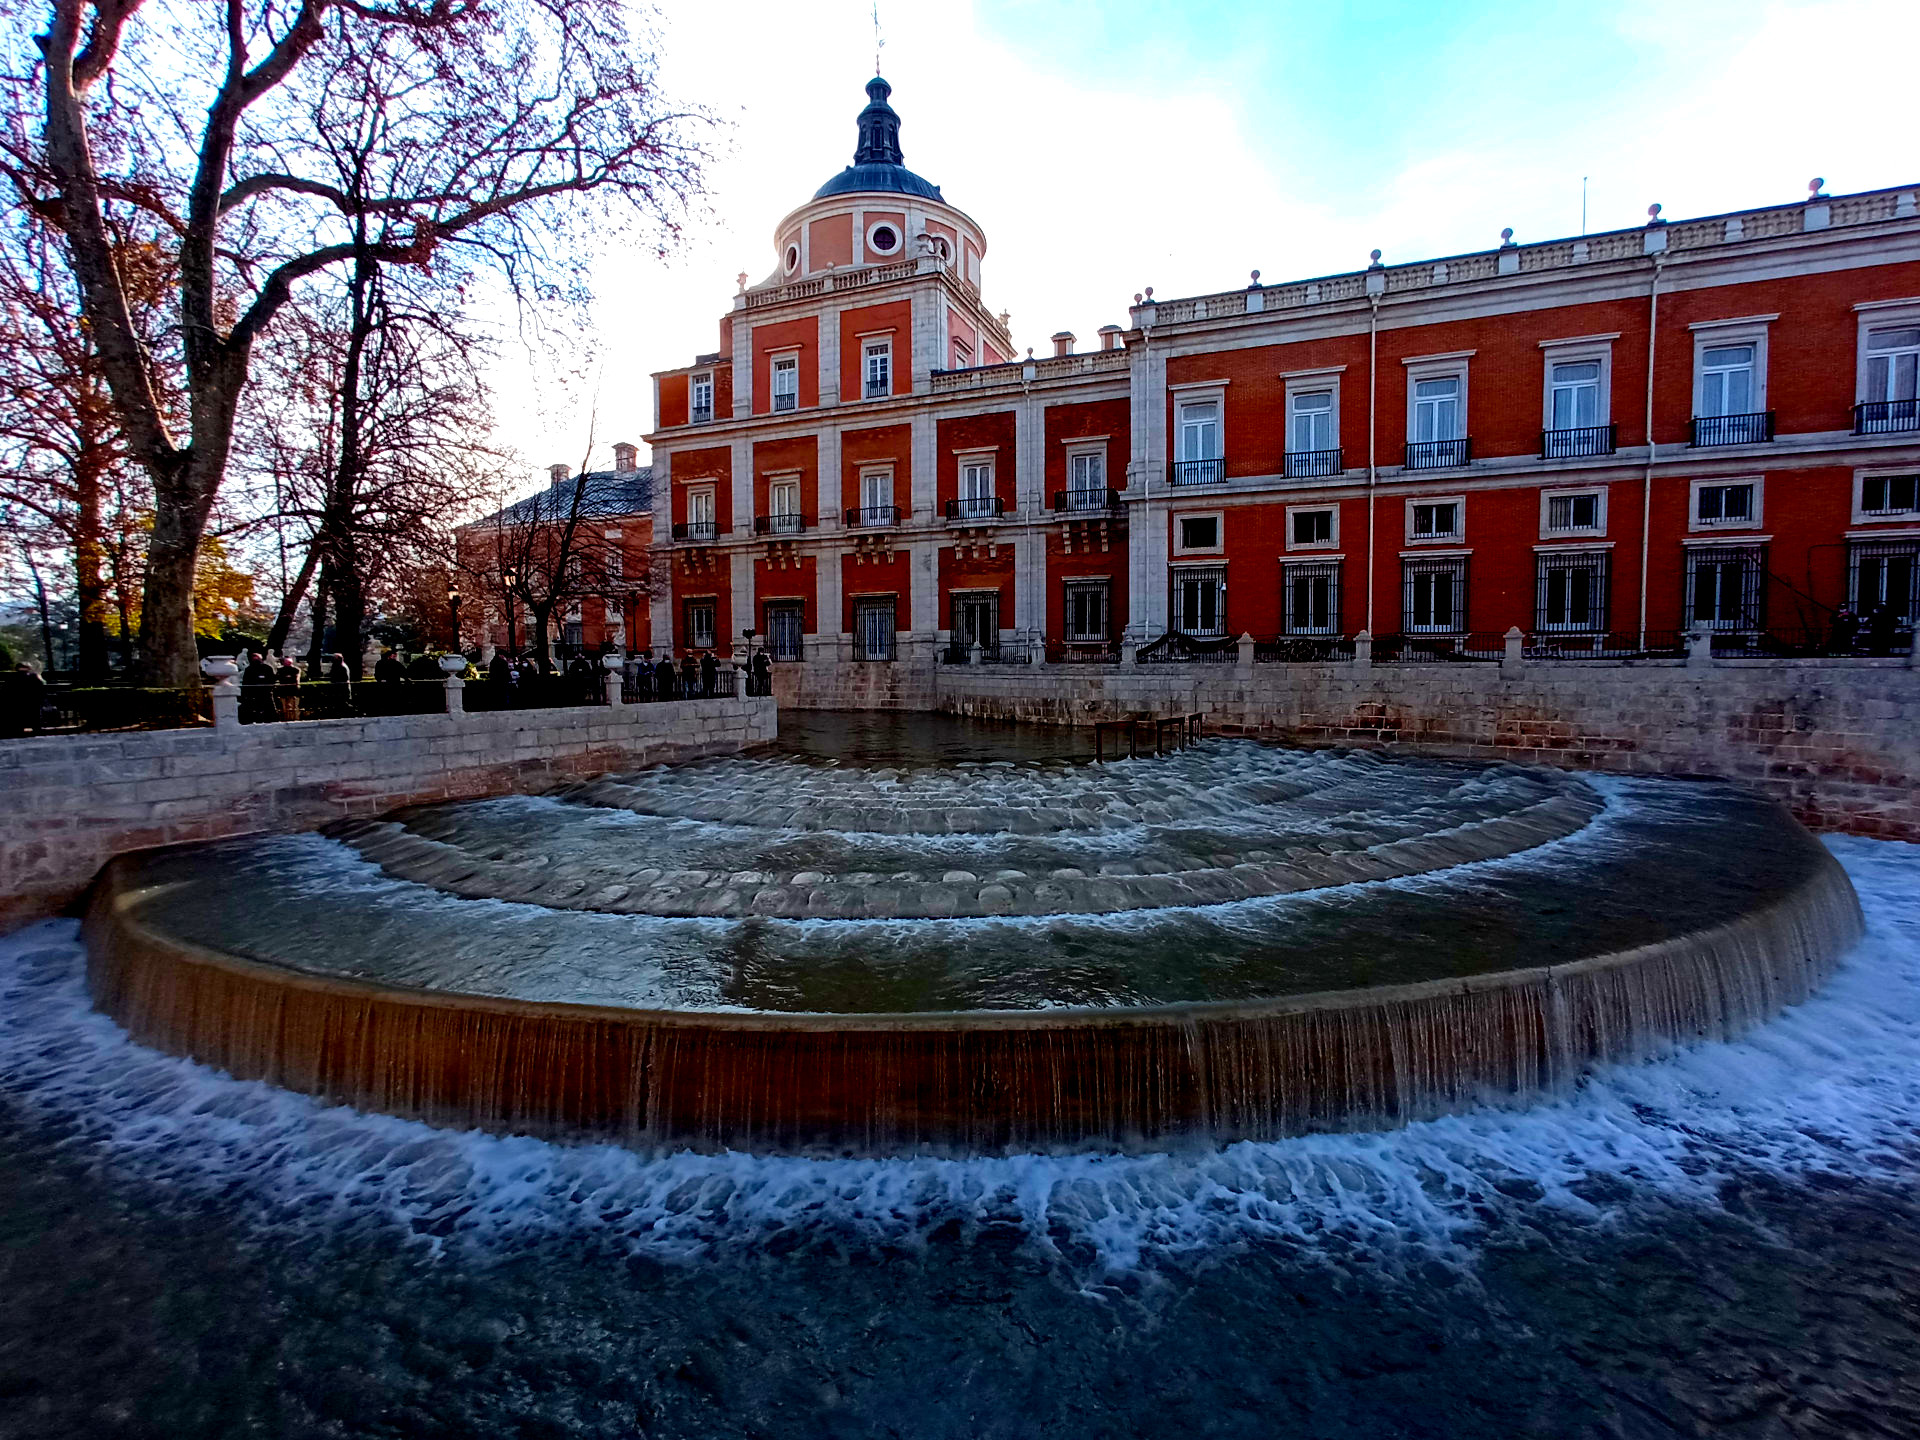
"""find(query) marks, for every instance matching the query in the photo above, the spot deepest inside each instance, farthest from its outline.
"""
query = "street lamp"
(507, 577)
(453, 604)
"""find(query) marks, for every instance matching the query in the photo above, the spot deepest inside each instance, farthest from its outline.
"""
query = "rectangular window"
(962, 355)
(1087, 478)
(1087, 607)
(1726, 380)
(783, 497)
(1576, 395)
(879, 355)
(1893, 365)
(1311, 423)
(1200, 601)
(700, 624)
(976, 621)
(1439, 521)
(1199, 532)
(1882, 495)
(1310, 598)
(786, 382)
(1724, 505)
(1570, 590)
(876, 499)
(786, 622)
(1573, 512)
(1435, 598)
(1200, 430)
(1312, 527)
(1723, 587)
(1886, 577)
(701, 523)
(1436, 409)
(873, 629)
(702, 399)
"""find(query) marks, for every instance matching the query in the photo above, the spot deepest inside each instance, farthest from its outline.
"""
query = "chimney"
(559, 473)
(1110, 337)
(626, 458)
(1063, 342)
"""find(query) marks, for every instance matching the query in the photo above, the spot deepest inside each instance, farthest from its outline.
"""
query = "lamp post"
(506, 577)
(453, 605)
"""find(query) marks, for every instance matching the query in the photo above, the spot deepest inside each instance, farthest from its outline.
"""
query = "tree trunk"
(290, 602)
(317, 644)
(349, 608)
(168, 652)
(89, 589)
(538, 615)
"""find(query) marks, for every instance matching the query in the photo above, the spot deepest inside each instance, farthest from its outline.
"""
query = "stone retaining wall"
(1837, 740)
(73, 802)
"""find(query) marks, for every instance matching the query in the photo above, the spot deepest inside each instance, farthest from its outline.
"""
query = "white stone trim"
(1860, 476)
(1568, 492)
(1881, 315)
(1312, 382)
(1598, 348)
(1316, 549)
(1708, 482)
(1215, 551)
(1443, 358)
(1458, 501)
(1747, 330)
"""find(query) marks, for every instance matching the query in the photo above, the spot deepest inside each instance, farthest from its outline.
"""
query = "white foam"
(1832, 1086)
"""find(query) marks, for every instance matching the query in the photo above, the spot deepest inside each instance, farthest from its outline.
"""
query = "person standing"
(287, 688)
(689, 676)
(339, 687)
(643, 677)
(256, 690)
(762, 674)
(26, 695)
(665, 683)
(709, 675)
(389, 669)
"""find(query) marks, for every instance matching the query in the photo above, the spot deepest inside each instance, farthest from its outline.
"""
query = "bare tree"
(520, 131)
(376, 439)
(63, 457)
(550, 552)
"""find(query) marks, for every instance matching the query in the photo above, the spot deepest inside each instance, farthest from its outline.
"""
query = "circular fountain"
(894, 934)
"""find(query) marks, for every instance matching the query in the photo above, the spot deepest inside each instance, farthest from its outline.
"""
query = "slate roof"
(608, 493)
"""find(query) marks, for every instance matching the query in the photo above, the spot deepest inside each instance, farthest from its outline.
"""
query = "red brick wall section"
(786, 582)
(864, 576)
(803, 334)
(783, 457)
(867, 320)
(712, 466)
(887, 444)
(976, 432)
(74, 802)
(831, 241)
(975, 570)
(670, 405)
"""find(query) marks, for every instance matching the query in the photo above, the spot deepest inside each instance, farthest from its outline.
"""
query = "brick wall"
(73, 802)
(1837, 740)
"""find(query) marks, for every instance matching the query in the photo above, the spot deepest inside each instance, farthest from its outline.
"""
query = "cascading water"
(878, 952)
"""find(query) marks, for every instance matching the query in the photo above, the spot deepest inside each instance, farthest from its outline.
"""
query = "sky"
(1105, 147)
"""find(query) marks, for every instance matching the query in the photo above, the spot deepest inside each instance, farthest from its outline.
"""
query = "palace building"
(1604, 442)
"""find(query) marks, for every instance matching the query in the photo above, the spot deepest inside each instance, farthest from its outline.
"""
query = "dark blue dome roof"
(893, 179)
(877, 160)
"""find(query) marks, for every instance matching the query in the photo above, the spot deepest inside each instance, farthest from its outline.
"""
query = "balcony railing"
(697, 530)
(873, 517)
(1886, 417)
(976, 507)
(1305, 464)
(878, 389)
(701, 415)
(1439, 454)
(1754, 429)
(1577, 442)
(1199, 472)
(786, 401)
(1087, 502)
(779, 524)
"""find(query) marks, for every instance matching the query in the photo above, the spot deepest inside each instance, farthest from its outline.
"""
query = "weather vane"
(878, 43)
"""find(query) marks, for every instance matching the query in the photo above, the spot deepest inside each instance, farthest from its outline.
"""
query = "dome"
(877, 163)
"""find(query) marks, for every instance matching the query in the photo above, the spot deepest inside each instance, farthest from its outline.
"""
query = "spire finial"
(878, 43)
(879, 128)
